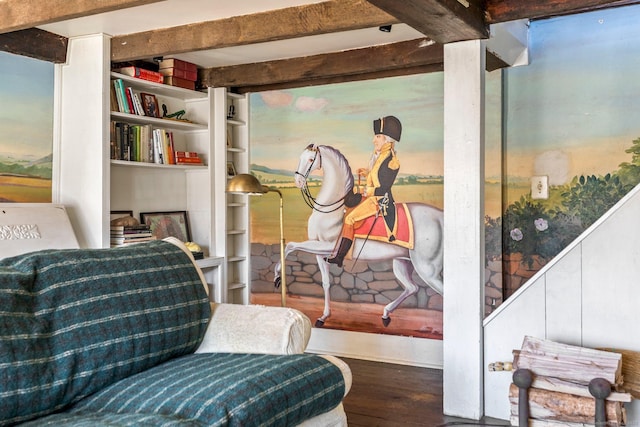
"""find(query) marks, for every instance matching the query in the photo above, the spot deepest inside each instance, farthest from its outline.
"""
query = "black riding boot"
(345, 245)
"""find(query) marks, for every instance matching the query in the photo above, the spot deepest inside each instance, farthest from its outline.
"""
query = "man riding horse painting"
(377, 198)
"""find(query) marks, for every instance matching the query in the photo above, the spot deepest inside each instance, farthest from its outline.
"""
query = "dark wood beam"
(444, 21)
(35, 43)
(287, 23)
(509, 10)
(20, 14)
(412, 53)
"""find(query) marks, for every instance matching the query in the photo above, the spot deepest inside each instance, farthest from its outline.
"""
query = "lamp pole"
(245, 183)
(283, 273)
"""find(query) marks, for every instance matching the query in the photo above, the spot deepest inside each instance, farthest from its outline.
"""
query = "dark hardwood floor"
(385, 394)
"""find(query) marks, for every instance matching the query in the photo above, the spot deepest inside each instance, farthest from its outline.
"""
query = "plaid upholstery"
(75, 321)
(225, 389)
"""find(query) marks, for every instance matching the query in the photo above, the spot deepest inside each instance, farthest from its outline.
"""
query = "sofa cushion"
(226, 389)
(74, 321)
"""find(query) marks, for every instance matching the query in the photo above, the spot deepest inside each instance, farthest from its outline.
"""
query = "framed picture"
(150, 104)
(165, 224)
(119, 214)
(231, 169)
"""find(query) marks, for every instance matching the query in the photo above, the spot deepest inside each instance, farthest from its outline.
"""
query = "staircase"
(588, 295)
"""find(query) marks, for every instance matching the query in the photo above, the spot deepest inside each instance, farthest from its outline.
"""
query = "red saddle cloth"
(402, 229)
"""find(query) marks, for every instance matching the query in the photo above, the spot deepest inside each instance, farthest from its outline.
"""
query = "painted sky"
(283, 123)
(26, 110)
(575, 108)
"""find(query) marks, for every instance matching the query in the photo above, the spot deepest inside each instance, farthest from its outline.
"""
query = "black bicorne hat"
(389, 125)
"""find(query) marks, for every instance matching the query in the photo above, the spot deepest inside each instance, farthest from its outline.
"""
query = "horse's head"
(310, 160)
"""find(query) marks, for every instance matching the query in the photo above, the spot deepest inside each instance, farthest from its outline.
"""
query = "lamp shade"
(245, 183)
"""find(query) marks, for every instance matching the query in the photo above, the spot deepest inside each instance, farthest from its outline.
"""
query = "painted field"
(21, 189)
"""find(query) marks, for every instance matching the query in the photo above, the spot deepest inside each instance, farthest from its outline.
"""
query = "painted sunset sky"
(26, 110)
(573, 110)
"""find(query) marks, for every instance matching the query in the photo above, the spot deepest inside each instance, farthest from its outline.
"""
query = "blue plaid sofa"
(127, 337)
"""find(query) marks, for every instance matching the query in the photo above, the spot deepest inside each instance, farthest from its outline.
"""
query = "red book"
(181, 74)
(175, 81)
(179, 64)
(188, 161)
(187, 154)
(141, 73)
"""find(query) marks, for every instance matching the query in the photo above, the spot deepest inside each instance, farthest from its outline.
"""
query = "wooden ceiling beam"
(292, 22)
(20, 14)
(412, 53)
(509, 10)
(444, 21)
(35, 43)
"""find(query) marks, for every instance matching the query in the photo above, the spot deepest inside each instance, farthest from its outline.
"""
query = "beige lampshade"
(245, 183)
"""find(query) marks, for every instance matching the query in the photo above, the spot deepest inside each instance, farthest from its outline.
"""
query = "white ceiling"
(171, 13)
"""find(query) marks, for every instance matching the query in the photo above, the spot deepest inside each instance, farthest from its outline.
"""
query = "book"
(123, 106)
(178, 82)
(179, 64)
(137, 103)
(187, 154)
(179, 73)
(188, 161)
(141, 73)
(129, 93)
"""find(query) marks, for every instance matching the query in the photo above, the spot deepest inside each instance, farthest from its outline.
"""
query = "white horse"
(325, 224)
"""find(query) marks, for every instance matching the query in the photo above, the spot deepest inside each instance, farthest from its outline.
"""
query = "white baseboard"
(401, 350)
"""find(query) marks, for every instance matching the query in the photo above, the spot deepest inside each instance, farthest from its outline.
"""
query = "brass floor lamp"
(248, 184)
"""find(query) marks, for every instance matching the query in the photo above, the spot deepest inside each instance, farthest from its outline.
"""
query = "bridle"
(306, 193)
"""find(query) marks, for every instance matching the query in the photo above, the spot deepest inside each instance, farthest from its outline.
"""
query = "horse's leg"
(309, 246)
(326, 286)
(429, 270)
(403, 269)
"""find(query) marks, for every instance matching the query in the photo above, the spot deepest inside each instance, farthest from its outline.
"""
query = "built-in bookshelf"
(232, 157)
(146, 185)
(91, 184)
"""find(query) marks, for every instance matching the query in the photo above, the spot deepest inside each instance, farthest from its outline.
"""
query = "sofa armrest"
(255, 329)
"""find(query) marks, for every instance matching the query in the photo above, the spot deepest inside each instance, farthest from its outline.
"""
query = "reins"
(306, 193)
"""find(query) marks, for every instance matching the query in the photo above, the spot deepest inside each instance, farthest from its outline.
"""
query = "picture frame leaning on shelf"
(150, 104)
(166, 224)
(231, 169)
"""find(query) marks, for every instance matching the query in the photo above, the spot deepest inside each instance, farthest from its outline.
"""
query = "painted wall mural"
(572, 116)
(26, 121)
(311, 143)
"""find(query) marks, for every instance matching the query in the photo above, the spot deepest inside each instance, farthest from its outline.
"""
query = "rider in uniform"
(377, 198)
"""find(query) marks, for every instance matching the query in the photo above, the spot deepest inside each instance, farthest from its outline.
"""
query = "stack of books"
(188, 158)
(122, 235)
(179, 73)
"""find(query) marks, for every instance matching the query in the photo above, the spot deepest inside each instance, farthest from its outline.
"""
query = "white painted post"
(464, 73)
(83, 156)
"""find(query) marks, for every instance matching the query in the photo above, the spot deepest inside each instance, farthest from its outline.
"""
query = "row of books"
(122, 235)
(125, 99)
(143, 143)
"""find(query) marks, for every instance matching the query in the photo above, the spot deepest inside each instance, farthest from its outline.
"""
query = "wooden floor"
(392, 395)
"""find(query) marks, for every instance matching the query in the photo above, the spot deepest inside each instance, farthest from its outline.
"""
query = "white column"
(464, 72)
(83, 138)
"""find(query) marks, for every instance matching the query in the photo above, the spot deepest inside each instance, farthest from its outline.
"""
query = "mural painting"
(26, 120)
(570, 115)
(363, 221)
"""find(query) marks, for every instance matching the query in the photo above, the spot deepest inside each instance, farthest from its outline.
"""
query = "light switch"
(540, 187)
